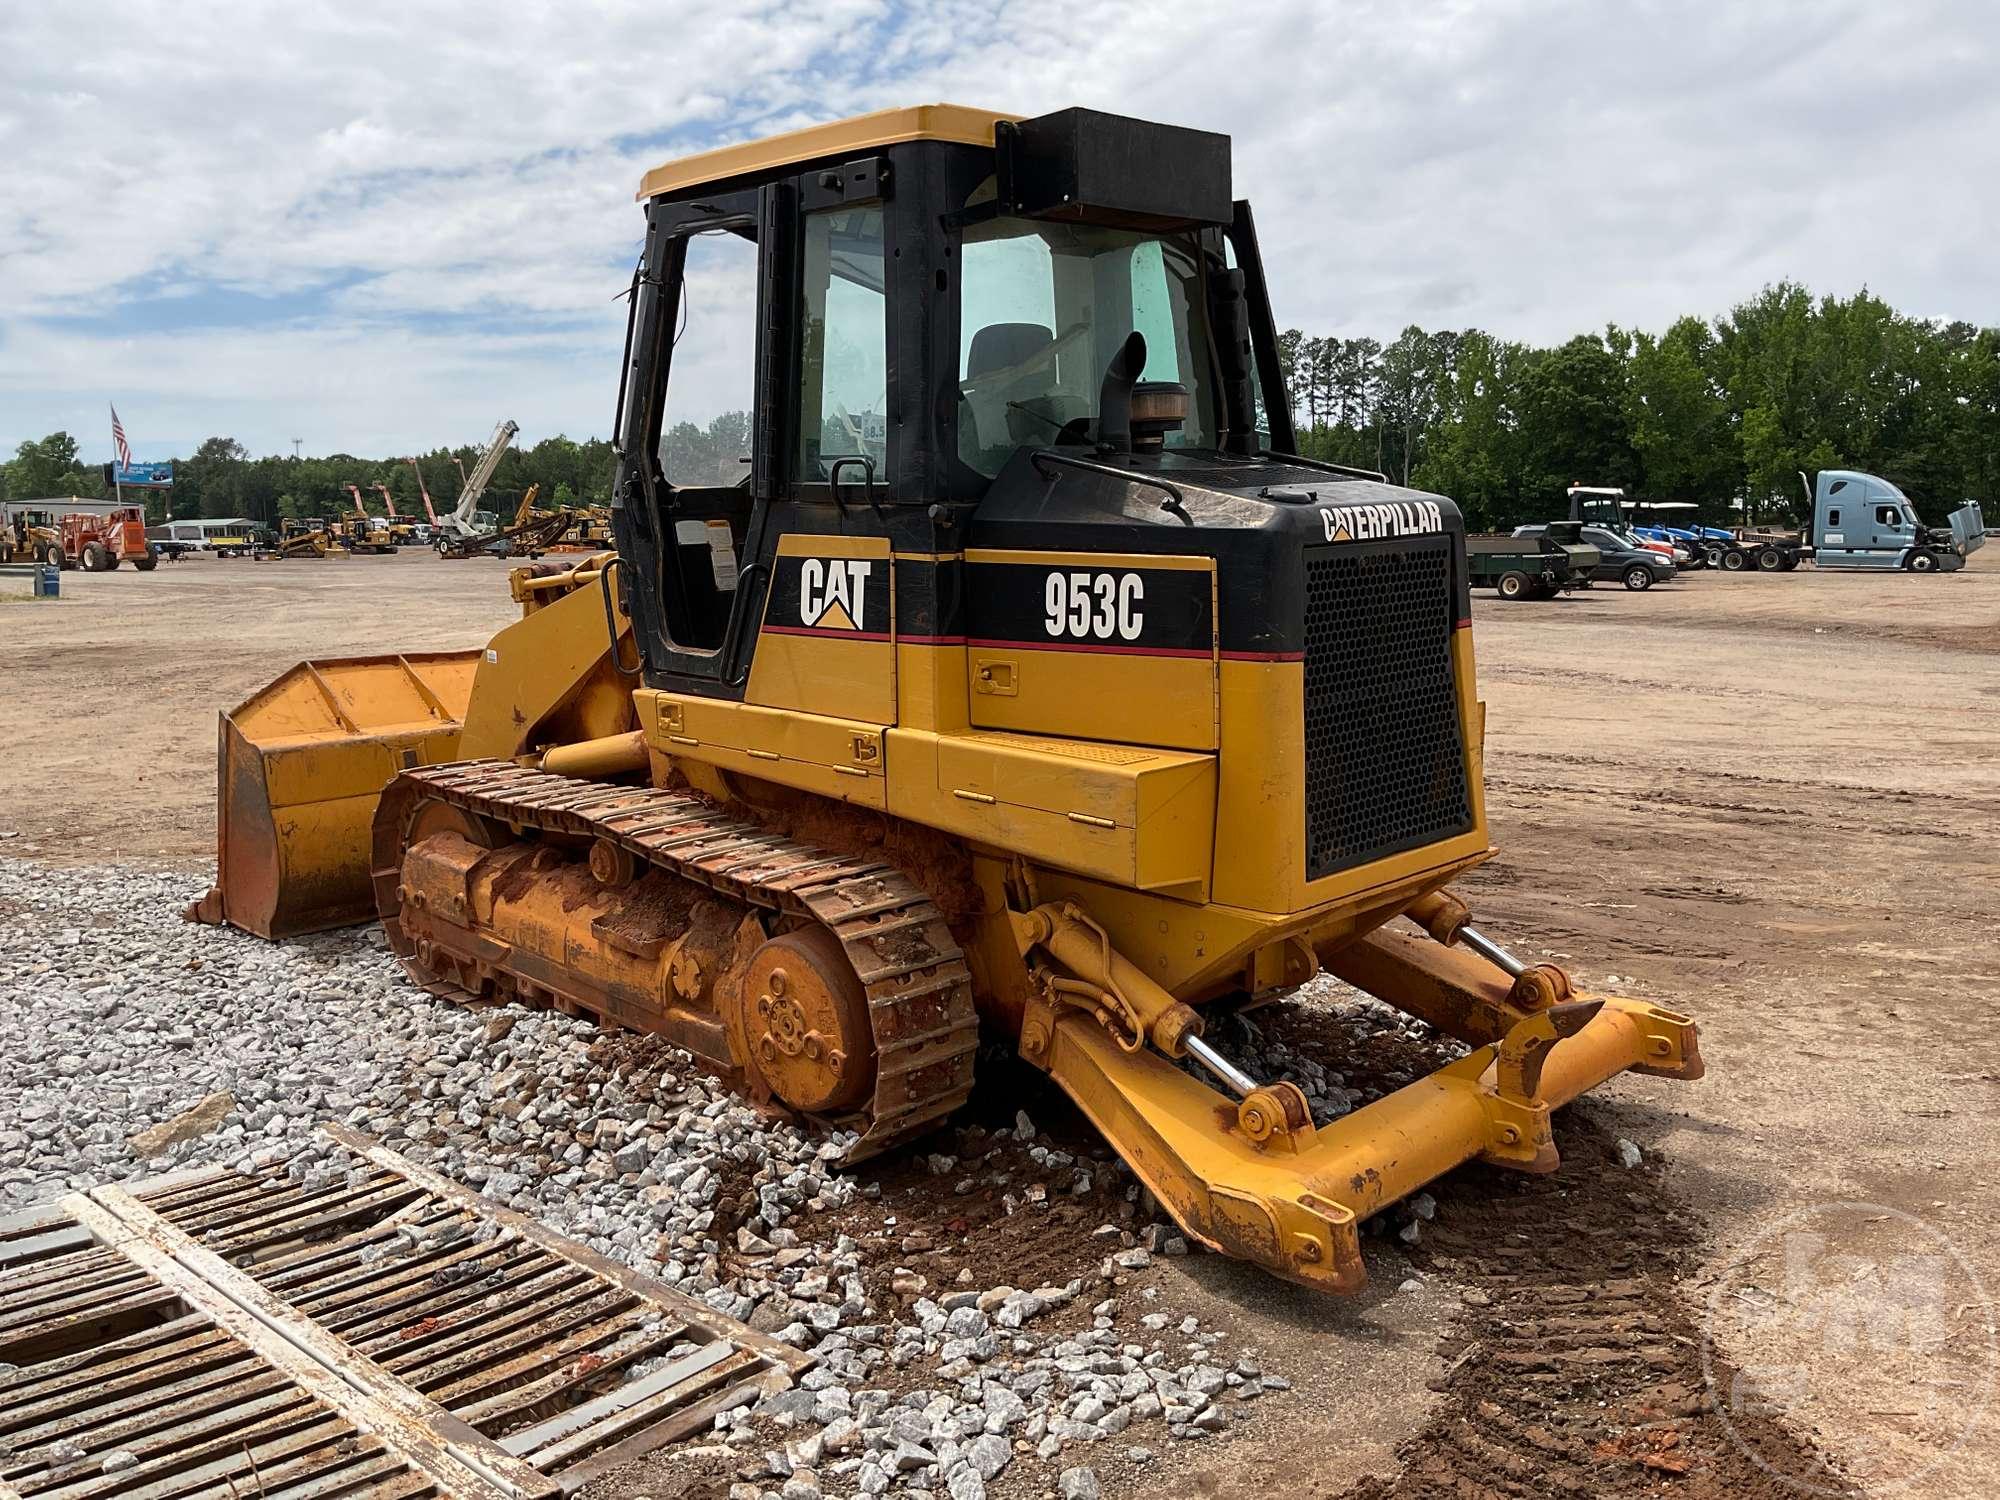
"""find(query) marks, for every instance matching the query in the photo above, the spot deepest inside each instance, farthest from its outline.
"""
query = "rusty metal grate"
(387, 1333)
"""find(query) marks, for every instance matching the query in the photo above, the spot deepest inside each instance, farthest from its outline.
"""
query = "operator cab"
(815, 347)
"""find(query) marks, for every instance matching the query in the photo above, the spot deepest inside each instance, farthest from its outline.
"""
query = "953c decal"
(1094, 606)
(1089, 605)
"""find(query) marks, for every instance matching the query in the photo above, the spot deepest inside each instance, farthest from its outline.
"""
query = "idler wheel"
(805, 1018)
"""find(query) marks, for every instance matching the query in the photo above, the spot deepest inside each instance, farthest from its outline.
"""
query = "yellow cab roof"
(885, 127)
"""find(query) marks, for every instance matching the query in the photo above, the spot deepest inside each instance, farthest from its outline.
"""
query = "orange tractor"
(97, 544)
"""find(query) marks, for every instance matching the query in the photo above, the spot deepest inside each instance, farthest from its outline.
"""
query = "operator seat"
(998, 345)
(994, 364)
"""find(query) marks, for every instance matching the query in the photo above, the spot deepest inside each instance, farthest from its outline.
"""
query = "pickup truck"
(1528, 567)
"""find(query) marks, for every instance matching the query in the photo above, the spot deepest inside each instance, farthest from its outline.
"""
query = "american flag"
(118, 441)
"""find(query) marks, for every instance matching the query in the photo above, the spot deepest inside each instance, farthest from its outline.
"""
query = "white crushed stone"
(119, 1016)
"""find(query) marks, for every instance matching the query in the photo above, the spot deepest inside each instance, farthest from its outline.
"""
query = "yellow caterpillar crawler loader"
(298, 539)
(1013, 673)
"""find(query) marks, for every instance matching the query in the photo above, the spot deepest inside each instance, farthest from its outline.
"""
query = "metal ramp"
(385, 1334)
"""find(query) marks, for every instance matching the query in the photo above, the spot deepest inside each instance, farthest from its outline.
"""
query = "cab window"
(843, 363)
(1043, 309)
(1889, 516)
(705, 431)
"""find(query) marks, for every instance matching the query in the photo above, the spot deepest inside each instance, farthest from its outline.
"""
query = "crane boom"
(481, 476)
(388, 500)
(423, 489)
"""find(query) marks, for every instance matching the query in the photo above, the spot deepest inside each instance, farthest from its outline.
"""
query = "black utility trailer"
(1527, 567)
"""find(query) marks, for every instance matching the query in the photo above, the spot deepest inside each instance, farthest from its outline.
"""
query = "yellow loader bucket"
(303, 763)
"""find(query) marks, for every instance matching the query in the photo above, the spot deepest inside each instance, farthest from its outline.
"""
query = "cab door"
(1881, 517)
(1890, 528)
(827, 643)
(692, 503)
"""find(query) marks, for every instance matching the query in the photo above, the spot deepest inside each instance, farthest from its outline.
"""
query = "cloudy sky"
(380, 227)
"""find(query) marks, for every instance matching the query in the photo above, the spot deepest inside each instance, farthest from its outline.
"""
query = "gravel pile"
(119, 1021)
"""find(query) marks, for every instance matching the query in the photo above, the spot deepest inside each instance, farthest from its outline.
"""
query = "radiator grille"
(1385, 759)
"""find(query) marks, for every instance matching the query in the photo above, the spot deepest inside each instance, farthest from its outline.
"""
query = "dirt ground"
(1772, 802)
(109, 695)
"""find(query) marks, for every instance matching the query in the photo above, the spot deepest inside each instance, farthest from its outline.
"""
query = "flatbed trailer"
(1765, 550)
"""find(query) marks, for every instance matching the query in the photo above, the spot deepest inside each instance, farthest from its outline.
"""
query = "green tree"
(1682, 434)
(1474, 452)
(1572, 420)
(49, 469)
(210, 484)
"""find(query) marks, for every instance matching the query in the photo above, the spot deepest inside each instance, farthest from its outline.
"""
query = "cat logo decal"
(833, 592)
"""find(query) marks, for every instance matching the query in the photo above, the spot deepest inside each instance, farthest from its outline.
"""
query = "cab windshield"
(1044, 308)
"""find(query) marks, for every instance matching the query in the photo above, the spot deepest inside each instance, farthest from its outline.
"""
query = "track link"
(918, 987)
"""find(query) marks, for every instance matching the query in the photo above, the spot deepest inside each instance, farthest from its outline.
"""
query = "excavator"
(589, 530)
(1060, 701)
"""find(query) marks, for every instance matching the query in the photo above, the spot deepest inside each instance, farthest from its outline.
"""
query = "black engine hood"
(1255, 516)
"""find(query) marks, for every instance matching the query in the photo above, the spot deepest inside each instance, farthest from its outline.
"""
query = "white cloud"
(1534, 168)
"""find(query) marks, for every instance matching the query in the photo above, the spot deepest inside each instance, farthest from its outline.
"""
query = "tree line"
(1714, 412)
(1723, 413)
(221, 478)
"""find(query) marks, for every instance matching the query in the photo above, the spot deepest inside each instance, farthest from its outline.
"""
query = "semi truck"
(1864, 522)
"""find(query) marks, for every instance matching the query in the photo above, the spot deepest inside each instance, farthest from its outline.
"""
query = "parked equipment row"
(1858, 522)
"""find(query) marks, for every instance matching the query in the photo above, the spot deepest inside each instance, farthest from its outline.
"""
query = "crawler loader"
(1016, 674)
(300, 538)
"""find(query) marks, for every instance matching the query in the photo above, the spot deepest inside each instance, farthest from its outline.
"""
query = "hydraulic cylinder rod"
(1445, 918)
(1492, 952)
(1239, 1082)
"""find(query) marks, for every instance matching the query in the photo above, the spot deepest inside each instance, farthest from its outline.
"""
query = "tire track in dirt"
(1576, 1367)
